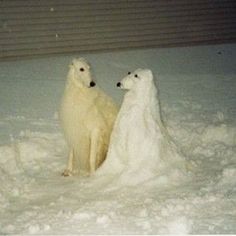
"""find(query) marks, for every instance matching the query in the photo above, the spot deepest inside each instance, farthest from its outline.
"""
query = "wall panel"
(30, 28)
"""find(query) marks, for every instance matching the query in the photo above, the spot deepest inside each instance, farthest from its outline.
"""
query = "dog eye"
(81, 69)
(129, 73)
(136, 76)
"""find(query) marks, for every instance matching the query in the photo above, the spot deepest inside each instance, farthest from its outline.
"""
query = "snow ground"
(197, 92)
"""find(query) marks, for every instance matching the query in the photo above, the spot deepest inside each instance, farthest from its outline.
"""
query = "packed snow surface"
(197, 94)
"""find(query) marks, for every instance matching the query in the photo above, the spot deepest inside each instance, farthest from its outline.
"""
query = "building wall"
(32, 28)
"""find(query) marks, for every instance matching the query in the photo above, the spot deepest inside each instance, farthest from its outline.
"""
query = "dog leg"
(68, 171)
(93, 150)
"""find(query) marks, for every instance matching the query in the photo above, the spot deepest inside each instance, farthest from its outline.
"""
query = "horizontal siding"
(32, 28)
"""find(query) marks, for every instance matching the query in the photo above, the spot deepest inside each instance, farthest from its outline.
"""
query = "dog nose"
(118, 84)
(92, 84)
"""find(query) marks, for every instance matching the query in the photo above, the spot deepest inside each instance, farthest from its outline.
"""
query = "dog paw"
(66, 173)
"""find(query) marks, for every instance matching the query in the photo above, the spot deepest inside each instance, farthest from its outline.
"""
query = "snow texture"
(197, 96)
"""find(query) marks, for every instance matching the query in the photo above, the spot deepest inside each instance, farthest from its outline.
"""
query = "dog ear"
(145, 74)
(82, 60)
(148, 74)
(72, 63)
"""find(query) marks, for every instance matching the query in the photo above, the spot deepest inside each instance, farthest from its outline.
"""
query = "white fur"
(87, 115)
(140, 147)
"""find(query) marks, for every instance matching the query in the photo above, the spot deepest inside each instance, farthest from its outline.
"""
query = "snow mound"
(221, 133)
(140, 146)
(180, 225)
(228, 176)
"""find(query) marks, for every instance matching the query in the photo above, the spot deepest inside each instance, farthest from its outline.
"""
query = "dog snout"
(92, 84)
(118, 84)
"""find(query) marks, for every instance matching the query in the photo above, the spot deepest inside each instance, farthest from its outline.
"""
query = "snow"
(140, 147)
(197, 94)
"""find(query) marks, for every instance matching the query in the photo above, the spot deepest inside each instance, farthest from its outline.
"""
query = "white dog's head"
(135, 78)
(80, 73)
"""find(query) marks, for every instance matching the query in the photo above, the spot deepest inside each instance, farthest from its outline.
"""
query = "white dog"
(140, 147)
(87, 115)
